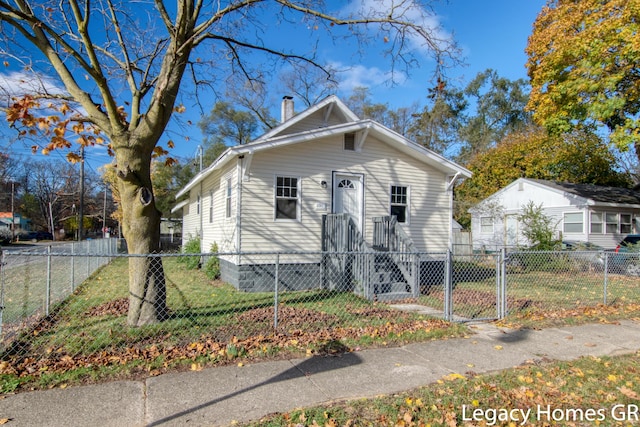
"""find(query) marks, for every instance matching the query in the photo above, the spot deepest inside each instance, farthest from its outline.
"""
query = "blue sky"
(492, 34)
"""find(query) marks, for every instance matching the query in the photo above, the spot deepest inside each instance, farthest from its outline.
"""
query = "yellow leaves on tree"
(578, 157)
(583, 65)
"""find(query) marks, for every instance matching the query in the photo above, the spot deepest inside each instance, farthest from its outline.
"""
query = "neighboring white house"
(271, 194)
(582, 212)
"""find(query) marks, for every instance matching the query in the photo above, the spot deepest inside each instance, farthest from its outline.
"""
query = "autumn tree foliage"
(120, 67)
(584, 65)
(578, 157)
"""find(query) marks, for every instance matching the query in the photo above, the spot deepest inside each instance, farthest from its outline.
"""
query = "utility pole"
(81, 206)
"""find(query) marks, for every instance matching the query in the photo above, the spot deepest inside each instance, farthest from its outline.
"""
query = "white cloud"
(408, 11)
(18, 84)
(350, 77)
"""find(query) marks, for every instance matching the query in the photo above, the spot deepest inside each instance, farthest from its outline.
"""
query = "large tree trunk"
(141, 229)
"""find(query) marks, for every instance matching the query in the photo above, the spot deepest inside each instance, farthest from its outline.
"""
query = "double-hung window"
(400, 202)
(573, 222)
(211, 206)
(287, 197)
(486, 225)
(625, 223)
(596, 222)
(611, 223)
(228, 197)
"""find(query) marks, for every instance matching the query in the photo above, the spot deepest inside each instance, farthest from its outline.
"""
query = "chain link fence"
(70, 302)
(37, 278)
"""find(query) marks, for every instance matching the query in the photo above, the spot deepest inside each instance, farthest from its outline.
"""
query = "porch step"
(394, 296)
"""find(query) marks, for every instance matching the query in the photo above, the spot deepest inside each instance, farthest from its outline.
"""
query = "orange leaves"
(54, 122)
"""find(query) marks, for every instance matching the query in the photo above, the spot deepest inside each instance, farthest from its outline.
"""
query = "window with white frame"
(611, 223)
(573, 222)
(211, 206)
(596, 222)
(486, 224)
(625, 224)
(228, 198)
(400, 203)
(198, 202)
(349, 142)
(287, 197)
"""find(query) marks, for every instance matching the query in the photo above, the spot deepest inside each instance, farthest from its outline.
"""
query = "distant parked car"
(628, 243)
(34, 236)
(625, 258)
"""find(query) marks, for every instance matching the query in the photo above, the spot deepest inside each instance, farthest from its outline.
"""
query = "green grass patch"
(86, 339)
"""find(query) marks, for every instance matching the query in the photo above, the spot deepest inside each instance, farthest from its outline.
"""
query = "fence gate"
(476, 284)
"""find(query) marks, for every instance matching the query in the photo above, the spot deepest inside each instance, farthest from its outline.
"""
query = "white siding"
(555, 204)
(222, 230)
(314, 162)
(190, 219)
(314, 121)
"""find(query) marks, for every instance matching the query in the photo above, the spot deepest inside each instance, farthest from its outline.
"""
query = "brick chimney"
(286, 111)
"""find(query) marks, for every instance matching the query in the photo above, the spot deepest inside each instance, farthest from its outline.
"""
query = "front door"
(348, 190)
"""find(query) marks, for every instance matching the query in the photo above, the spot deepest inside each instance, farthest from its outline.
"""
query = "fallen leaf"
(629, 393)
(498, 347)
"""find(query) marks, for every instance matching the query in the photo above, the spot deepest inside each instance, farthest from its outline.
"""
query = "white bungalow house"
(276, 193)
(583, 212)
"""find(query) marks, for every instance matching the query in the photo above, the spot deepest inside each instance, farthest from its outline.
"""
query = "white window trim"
(298, 198)
(493, 222)
(228, 197)
(564, 222)
(603, 224)
(408, 204)
(211, 207)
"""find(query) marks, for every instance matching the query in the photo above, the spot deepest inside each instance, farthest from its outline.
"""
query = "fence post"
(2, 282)
(48, 295)
(416, 276)
(87, 251)
(502, 264)
(275, 297)
(606, 276)
(73, 264)
(448, 288)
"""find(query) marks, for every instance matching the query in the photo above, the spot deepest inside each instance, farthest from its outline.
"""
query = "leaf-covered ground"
(586, 392)
(300, 331)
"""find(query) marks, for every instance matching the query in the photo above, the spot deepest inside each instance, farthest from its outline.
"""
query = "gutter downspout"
(200, 207)
(449, 190)
(239, 207)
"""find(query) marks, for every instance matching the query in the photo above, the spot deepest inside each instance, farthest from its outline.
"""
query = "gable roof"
(597, 194)
(350, 123)
(593, 195)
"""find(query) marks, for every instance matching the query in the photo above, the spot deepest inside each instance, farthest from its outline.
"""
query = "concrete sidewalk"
(221, 396)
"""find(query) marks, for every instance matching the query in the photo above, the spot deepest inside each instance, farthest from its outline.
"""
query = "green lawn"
(86, 337)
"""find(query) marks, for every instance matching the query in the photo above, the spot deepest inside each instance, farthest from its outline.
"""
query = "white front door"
(348, 196)
(511, 231)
